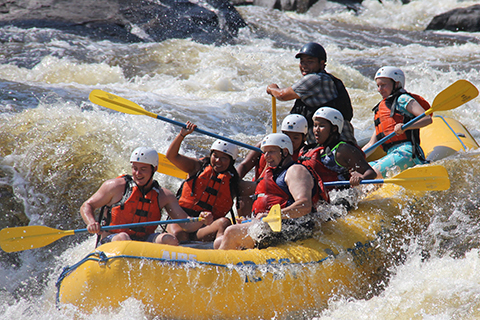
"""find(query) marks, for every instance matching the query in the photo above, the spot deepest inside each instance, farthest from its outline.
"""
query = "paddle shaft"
(142, 224)
(274, 114)
(183, 125)
(346, 183)
(424, 178)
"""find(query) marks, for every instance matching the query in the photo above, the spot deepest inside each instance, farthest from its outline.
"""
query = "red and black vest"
(323, 164)
(268, 191)
(207, 191)
(262, 164)
(135, 207)
(387, 116)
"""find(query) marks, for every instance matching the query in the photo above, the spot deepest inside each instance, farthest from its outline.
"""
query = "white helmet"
(333, 115)
(278, 139)
(393, 73)
(295, 123)
(145, 155)
(226, 147)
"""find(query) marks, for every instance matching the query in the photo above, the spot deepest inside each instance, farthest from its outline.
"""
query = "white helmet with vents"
(333, 115)
(295, 123)
(145, 155)
(277, 139)
(226, 147)
(393, 73)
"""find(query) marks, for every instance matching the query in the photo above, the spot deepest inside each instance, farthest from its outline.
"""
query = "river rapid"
(56, 147)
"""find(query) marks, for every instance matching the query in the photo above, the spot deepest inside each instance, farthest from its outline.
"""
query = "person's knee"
(122, 236)
(231, 232)
(166, 238)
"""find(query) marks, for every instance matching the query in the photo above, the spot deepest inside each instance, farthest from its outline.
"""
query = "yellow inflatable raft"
(345, 257)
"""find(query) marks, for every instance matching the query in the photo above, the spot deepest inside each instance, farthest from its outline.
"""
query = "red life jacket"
(262, 164)
(207, 191)
(386, 117)
(311, 158)
(134, 208)
(268, 193)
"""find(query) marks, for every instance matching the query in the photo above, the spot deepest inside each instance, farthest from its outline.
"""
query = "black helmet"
(313, 49)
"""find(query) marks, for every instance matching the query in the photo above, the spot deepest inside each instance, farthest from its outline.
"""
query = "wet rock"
(302, 6)
(206, 21)
(461, 19)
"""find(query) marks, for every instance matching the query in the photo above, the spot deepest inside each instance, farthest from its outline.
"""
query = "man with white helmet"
(317, 88)
(330, 157)
(212, 185)
(284, 182)
(296, 127)
(135, 198)
(397, 108)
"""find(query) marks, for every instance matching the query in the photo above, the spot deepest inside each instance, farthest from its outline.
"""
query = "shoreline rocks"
(205, 21)
(461, 19)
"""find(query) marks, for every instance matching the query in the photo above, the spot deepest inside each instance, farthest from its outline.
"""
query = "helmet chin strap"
(142, 188)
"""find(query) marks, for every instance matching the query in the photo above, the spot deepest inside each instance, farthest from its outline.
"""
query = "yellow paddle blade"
(30, 237)
(274, 218)
(422, 178)
(168, 168)
(454, 96)
(111, 101)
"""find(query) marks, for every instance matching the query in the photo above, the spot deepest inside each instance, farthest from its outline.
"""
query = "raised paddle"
(120, 104)
(274, 218)
(274, 114)
(452, 97)
(31, 237)
(423, 178)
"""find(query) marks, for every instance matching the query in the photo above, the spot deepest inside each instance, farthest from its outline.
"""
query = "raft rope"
(453, 131)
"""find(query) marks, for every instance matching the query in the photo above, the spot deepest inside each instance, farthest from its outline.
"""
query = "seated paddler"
(136, 198)
(212, 185)
(284, 182)
(331, 157)
(397, 108)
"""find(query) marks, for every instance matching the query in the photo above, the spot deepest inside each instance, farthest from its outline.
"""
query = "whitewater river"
(56, 147)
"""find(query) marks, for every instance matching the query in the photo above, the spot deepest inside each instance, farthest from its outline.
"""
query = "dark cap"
(313, 49)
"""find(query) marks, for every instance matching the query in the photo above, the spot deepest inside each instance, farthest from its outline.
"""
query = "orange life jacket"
(207, 191)
(386, 117)
(135, 207)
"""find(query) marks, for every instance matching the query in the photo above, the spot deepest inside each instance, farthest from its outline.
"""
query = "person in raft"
(397, 108)
(316, 89)
(284, 182)
(136, 198)
(212, 185)
(296, 127)
(330, 157)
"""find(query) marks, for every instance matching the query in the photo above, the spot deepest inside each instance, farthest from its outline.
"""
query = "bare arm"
(416, 109)
(252, 159)
(110, 192)
(168, 201)
(300, 183)
(370, 143)
(350, 157)
(184, 163)
(284, 94)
